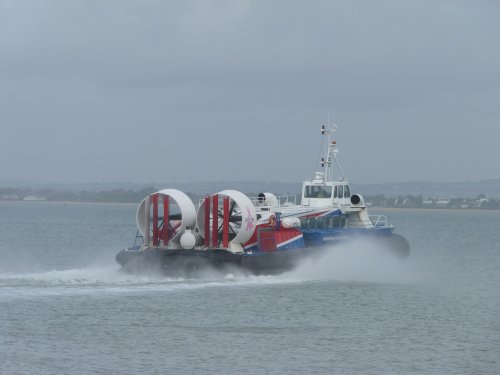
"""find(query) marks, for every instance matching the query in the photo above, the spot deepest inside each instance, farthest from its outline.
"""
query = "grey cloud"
(94, 90)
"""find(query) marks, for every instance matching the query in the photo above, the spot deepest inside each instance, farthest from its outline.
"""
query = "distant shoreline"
(425, 209)
(67, 202)
(371, 209)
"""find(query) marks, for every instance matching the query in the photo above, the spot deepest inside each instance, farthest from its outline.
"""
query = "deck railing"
(379, 220)
(283, 200)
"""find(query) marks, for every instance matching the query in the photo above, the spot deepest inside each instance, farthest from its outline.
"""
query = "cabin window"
(329, 222)
(343, 221)
(341, 191)
(320, 222)
(303, 223)
(311, 224)
(335, 192)
(335, 221)
(312, 191)
(347, 193)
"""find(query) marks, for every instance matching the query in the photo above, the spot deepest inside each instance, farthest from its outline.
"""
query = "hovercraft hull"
(191, 263)
(180, 262)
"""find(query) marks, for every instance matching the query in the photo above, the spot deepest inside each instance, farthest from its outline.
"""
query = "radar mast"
(331, 154)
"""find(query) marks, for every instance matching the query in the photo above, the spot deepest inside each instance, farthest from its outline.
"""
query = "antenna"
(331, 151)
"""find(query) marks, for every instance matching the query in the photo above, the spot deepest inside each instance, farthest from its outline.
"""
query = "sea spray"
(359, 260)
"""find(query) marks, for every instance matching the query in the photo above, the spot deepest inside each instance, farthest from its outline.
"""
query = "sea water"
(65, 307)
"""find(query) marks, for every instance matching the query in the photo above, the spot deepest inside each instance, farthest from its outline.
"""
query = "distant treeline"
(135, 196)
(112, 196)
(418, 201)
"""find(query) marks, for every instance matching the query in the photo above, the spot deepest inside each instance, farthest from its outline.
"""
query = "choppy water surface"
(66, 308)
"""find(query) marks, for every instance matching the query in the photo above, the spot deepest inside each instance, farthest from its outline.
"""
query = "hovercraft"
(267, 234)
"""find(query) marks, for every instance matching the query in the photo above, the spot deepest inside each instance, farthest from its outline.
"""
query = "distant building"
(34, 198)
(10, 197)
(481, 201)
(442, 203)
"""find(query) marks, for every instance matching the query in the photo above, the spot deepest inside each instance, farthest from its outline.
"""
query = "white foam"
(110, 280)
(79, 276)
(358, 261)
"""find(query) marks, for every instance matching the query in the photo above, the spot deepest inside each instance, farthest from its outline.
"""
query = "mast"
(331, 153)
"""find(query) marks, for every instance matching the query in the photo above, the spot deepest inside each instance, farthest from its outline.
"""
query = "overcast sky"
(150, 90)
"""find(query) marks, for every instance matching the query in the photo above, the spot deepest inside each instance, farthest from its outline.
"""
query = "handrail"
(379, 220)
(283, 200)
(138, 236)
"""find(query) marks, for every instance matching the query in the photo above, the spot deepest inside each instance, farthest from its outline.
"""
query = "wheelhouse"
(319, 192)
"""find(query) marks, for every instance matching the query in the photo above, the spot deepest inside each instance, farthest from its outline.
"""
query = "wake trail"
(98, 281)
(357, 261)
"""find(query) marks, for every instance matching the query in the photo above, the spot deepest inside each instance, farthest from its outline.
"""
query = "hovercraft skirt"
(181, 262)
